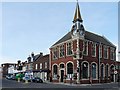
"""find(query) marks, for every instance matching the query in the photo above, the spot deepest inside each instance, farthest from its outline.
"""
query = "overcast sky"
(35, 26)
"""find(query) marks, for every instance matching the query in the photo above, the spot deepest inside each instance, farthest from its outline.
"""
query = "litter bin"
(50, 79)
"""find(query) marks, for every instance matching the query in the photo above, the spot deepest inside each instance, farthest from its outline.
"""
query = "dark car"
(37, 79)
(8, 77)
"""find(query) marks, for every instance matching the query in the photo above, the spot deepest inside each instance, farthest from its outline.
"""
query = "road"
(14, 84)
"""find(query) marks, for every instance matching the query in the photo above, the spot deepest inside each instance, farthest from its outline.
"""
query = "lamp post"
(118, 71)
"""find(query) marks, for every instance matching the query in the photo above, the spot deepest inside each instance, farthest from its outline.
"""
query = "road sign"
(115, 72)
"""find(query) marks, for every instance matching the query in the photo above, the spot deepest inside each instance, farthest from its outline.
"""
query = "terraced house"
(41, 67)
(82, 56)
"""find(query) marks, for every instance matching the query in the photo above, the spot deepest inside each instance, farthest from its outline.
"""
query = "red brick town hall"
(82, 56)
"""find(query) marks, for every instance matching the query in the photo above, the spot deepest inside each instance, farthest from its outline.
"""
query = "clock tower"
(77, 34)
(77, 28)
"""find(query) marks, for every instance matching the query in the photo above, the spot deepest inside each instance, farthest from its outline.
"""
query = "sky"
(35, 26)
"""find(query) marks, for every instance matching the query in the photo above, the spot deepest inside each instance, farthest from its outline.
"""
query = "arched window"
(112, 68)
(94, 71)
(61, 65)
(102, 71)
(69, 70)
(85, 70)
(107, 73)
(55, 71)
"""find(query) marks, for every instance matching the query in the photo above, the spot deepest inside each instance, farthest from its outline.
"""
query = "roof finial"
(77, 15)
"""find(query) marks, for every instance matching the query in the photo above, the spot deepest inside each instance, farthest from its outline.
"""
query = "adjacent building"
(41, 67)
(82, 56)
(6, 68)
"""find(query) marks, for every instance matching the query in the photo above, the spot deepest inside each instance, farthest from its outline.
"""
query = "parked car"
(37, 79)
(9, 77)
(13, 77)
(26, 78)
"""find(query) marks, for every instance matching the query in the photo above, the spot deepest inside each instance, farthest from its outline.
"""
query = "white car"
(26, 78)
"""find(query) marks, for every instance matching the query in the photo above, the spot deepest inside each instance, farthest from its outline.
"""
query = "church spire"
(77, 16)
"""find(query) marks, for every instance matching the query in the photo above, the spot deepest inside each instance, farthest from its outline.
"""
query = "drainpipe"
(99, 61)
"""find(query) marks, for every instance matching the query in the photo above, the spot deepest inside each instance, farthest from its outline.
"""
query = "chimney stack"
(41, 54)
(29, 59)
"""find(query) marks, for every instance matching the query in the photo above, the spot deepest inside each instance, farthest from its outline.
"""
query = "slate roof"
(88, 36)
(41, 57)
(36, 57)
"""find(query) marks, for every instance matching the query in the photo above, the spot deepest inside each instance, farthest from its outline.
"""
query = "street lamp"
(118, 71)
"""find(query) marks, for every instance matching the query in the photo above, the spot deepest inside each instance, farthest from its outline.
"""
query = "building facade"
(41, 67)
(82, 56)
(6, 68)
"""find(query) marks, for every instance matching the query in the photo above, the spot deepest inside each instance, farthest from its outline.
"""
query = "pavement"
(90, 85)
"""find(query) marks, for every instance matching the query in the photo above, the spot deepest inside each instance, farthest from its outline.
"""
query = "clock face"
(74, 32)
(81, 32)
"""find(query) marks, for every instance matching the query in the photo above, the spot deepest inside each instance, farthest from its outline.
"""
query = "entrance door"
(62, 75)
(112, 77)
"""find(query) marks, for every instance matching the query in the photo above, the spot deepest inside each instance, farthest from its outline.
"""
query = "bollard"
(26, 81)
(18, 79)
(70, 80)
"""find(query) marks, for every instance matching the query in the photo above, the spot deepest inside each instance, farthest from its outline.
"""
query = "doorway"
(62, 75)
(112, 77)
